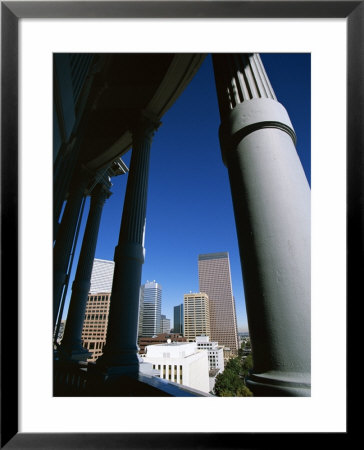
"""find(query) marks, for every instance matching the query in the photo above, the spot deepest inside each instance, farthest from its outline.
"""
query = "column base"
(280, 384)
(122, 363)
(115, 371)
(111, 380)
(69, 378)
(77, 354)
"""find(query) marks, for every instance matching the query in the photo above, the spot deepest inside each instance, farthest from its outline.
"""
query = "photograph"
(164, 166)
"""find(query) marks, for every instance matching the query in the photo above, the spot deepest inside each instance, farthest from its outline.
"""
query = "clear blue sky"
(189, 203)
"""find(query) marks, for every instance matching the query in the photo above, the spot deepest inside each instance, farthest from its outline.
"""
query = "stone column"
(120, 352)
(63, 246)
(71, 347)
(271, 199)
(63, 169)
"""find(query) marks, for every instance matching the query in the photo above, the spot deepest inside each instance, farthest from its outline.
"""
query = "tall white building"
(150, 306)
(214, 351)
(180, 362)
(102, 276)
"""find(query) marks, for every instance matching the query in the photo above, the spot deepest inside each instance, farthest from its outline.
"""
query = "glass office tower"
(151, 305)
(178, 319)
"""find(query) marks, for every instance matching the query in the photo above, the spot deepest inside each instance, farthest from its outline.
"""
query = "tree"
(231, 383)
(247, 365)
(227, 383)
(234, 364)
(244, 391)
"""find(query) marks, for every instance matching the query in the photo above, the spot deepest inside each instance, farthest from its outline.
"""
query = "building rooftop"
(213, 256)
(173, 344)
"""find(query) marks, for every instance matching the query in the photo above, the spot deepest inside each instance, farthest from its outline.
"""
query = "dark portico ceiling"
(125, 85)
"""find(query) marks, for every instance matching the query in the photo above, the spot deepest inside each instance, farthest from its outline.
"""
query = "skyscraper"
(96, 317)
(196, 316)
(101, 276)
(151, 305)
(165, 324)
(94, 330)
(215, 280)
(178, 319)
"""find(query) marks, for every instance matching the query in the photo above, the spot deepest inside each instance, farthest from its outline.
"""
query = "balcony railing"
(79, 379)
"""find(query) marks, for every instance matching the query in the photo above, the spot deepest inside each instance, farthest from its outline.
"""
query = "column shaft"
(65, 237)
(120, 352)
(63, 170)
(271, 199)
(71, 342)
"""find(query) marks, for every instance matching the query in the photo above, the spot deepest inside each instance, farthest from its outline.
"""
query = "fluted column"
(71, 347)
(271, 199)
(63, 246)
(120, 352)
(63, 170)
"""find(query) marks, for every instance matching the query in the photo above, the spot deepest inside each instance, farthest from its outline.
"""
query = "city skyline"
(189, 203)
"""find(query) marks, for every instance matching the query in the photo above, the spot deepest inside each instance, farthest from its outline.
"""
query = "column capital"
(246, 100)
(145, 125)
(100, 193)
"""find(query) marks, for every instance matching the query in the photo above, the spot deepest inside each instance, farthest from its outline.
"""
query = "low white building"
(180, 362)
(215, 353)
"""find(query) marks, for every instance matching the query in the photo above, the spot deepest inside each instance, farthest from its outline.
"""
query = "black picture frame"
(11, 12)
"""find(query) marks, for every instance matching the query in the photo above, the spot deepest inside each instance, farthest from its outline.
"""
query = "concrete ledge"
(67, 384)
